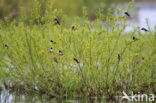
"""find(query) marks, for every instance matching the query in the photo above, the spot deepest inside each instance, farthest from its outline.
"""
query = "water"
(146, 10)
(150, 14)
(6, 97)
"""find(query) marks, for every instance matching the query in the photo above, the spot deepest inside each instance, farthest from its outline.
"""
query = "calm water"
(144, 11)
(148, 11)
(6, 97)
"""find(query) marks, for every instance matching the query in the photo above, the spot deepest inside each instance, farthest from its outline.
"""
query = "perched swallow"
(5, 85)
(51, 50)
(134, 38)
(73, 28)
(127, 14)
(6, 46)
(52, 42)
(119, 56)
(76, 60)
(60, 52)
(57, 21)
(144, 29)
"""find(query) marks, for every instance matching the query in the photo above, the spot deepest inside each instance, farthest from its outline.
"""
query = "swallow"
(57, 21)
(60, 52)
(52, 42)
(144, 29)
(5, 85)
(127, 14)
(6, 46)
(119, 56)
(51, 50)
(134, 38)
(73, 28)
(76, 60)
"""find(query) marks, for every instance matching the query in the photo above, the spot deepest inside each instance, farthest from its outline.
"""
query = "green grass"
(110, 60)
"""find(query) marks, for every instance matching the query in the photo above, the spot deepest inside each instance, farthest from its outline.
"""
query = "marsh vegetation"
(56, 56)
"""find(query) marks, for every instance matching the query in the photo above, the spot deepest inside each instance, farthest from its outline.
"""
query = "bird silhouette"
(119, 56)
(57, 21)
(51, 50)
(73, 28)
(144, 29)
(76, 60)
(127, 14)
(52, 42)
(134, 38)
(6, 46)
(60, 52)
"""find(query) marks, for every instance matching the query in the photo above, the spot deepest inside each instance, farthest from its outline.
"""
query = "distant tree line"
(14, 8)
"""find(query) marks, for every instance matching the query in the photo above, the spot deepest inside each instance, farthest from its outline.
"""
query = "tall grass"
(109, 60)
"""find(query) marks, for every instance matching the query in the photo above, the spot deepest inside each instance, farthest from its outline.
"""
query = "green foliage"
(111, 60)
(14, 8)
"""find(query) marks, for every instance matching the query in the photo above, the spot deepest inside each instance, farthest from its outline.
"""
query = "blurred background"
(70, 7)
(143, 8)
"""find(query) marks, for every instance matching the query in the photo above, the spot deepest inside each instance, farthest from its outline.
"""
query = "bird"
(73, 28)
(119, 56)
(5, 85)
(6, 46)
(144, 29)
(52, 42)
(127, 14)
(60, 52)
(51, 50)
(76, 60)
(57, 21)
(134, 38)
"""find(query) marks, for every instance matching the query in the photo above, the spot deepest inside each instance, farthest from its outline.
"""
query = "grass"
(98, 58)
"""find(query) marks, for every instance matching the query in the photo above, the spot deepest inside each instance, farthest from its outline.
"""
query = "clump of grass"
(87, 58)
